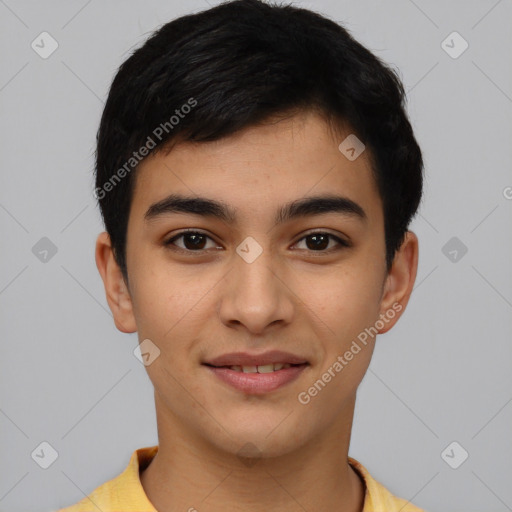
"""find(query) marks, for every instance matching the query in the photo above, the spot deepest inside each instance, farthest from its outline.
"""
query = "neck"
(188, 473)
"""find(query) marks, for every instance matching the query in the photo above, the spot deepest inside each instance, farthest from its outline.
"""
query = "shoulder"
(377, 497)
(124, 492)
(102, 497)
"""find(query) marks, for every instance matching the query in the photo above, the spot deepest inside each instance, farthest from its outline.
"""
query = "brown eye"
(191, 241)
(317, 242)
(321, 241)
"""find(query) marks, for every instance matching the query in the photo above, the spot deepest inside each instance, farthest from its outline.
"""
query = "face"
(285, 252)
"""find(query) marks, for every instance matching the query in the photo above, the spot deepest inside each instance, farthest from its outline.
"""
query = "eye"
(191, 241)
(321, 241)
(196, 241)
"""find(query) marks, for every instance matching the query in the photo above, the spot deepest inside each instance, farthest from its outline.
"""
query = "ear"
(399, 281)
(118, 295)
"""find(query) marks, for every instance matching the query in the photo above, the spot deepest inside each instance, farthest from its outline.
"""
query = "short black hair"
(204, 76)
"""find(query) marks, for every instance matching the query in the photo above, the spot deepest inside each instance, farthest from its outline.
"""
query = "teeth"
(266, 368)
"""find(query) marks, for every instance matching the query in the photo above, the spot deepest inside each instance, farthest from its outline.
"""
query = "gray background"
(69, 378)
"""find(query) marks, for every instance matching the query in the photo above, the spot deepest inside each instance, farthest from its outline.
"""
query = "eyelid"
(170, 241)
(342, 242)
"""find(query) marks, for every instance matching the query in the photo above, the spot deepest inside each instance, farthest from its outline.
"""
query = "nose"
(255, 295)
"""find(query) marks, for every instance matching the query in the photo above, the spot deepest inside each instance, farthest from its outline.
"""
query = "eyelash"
(170, 242)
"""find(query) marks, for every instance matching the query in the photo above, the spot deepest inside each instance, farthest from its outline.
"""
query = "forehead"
(261, 166)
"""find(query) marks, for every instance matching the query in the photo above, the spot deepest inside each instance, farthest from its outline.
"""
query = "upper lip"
(246, 359)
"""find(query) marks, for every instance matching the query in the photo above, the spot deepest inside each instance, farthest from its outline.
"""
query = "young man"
(256, 173)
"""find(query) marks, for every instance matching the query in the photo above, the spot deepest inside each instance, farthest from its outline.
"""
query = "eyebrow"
(308, 206)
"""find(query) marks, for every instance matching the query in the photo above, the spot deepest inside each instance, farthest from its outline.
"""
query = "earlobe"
(117, 293)
(400, 281)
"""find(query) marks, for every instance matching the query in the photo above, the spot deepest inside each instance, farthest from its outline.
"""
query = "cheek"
(159, 298)
(346, 307)
(346, 301)
(170, 301)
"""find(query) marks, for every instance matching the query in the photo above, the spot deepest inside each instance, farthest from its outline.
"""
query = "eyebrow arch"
(317, 205)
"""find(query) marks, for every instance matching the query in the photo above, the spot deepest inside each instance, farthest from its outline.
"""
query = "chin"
(261, 440)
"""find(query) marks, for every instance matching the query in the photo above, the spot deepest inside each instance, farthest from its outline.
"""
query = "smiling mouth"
(265, 368)
(257, 380)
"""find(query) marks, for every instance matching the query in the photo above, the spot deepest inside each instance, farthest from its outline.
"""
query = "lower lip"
(257, 383)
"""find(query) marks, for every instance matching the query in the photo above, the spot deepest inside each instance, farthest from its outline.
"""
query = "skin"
(310, 303)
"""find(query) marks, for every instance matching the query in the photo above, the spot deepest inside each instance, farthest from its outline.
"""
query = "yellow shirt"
(125, 493)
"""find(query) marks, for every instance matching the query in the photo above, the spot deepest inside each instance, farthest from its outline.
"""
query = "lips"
(257, 374)
(244, 359)
(256, 383)
(266, 368)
